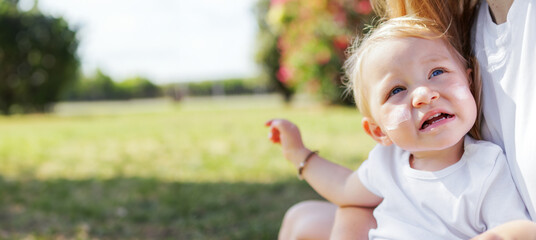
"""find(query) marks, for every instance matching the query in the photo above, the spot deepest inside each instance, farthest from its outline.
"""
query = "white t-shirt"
(459, 202)
(507, 56)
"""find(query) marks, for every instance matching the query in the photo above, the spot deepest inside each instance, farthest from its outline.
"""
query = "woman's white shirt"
(507, 56)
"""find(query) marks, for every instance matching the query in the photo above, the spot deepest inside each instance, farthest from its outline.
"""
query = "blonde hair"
(402, 27)
(454, 16)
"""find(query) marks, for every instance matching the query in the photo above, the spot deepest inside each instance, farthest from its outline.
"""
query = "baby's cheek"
(395, 117)
(461, 92)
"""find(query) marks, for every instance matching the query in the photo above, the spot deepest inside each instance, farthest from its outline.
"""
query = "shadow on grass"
(140, 208)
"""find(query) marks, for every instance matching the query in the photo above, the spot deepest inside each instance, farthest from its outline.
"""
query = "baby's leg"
(315, 220)
(308, 220)
(353, 223)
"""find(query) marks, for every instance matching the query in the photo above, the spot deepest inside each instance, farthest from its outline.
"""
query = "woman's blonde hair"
(454, 16)
(403, 27)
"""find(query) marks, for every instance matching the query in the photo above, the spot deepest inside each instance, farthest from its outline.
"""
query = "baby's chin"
(439, 144)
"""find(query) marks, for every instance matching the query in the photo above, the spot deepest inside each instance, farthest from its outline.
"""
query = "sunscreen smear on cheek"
(396, 117)
(461, 92)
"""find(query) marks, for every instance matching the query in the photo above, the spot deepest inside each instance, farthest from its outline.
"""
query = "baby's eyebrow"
(435, 58)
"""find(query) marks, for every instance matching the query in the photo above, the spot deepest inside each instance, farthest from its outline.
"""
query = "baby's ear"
(373, 130)
(469, 72)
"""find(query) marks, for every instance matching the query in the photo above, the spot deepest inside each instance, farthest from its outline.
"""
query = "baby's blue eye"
(436, 73)
(396, 90)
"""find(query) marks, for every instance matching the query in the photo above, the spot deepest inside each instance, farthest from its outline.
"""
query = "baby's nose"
(424, 95)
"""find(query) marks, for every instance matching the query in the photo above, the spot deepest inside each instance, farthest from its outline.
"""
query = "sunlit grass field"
(197, 169)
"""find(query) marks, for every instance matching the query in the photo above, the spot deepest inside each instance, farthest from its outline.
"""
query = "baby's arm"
(336, 183)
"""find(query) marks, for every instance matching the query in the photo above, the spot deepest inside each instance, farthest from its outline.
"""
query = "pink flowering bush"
(311, 38)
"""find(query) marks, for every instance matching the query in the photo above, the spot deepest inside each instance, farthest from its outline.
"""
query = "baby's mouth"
(434, 119)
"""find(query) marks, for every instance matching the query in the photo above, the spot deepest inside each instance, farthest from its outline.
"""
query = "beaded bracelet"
(304, 162)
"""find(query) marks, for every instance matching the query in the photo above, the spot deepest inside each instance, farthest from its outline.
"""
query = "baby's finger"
(274, 135)
(271, 135)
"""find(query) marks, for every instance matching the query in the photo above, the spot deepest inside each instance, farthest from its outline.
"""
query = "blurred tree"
(102, 87)
(139, 87)
(268, 54)
(37, 58)
(232, 86)
(311, 39)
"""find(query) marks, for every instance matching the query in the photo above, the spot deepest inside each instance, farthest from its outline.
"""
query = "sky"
(163, 40)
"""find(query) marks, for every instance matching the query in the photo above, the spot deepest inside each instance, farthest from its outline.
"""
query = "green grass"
(200, 169)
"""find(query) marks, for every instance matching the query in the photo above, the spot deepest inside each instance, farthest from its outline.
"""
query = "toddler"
(430, 177)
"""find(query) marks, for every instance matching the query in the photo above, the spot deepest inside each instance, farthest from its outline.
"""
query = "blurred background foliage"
(303, 42)
(102, 87)
(300, 47)
(37, 59)
(202, 169)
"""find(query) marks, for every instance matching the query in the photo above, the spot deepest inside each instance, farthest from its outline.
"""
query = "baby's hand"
(488, 236)
(288, 135)
(284, 132)
(518, 229)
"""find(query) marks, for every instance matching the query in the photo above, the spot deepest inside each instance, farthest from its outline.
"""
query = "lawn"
(198, 169)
